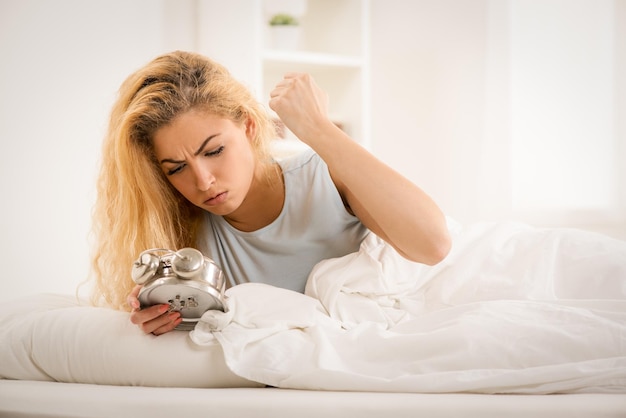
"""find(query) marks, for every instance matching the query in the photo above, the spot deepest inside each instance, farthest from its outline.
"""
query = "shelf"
(333, 47)
(276, 57)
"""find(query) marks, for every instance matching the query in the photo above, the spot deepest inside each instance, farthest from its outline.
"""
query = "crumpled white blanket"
(512, 309)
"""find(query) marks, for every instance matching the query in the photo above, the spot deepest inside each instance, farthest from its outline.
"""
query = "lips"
(217, 199)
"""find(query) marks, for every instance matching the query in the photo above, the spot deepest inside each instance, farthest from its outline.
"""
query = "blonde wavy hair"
(136, 207)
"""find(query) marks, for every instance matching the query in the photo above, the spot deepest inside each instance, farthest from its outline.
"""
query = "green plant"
(283, 19)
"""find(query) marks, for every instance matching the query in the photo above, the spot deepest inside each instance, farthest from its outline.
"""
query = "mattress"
(515, 323)
(52, 399)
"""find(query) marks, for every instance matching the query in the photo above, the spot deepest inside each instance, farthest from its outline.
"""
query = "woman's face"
(208, 159)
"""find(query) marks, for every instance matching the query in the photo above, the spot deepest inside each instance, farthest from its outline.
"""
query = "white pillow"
(53, 337)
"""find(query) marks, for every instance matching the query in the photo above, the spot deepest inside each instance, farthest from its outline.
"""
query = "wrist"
(320, 132)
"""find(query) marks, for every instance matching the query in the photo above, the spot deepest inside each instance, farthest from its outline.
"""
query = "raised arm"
(386, 202)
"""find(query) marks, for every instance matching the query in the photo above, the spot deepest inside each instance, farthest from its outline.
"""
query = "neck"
(264, 200)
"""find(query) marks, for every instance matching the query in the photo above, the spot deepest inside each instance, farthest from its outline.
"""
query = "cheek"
(247, 165)
(180, 184)
(237, 164)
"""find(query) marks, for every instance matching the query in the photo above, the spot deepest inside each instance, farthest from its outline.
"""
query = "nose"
(204, 178)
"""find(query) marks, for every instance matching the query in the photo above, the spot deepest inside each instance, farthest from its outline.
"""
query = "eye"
(175, 170)
(215, 152)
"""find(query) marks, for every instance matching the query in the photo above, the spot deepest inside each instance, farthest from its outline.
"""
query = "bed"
(517, 321)
(65, 400)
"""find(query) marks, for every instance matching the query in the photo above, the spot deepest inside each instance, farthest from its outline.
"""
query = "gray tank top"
(312, 226)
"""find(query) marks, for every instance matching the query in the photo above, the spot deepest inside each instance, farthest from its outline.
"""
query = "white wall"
(506, 109)
(428, 95)
(62, 63)
(440, 71)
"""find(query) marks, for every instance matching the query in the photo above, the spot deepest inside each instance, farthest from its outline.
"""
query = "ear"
(251, 128)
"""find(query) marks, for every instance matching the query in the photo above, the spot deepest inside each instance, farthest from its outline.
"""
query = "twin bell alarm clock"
(185, 279)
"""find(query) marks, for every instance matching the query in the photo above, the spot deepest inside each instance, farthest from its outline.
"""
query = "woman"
(186, 164)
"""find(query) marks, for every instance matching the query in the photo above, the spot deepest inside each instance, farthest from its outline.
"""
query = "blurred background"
(499, 109)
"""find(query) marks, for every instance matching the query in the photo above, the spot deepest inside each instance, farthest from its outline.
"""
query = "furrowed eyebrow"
(206, 141)
(198, 152)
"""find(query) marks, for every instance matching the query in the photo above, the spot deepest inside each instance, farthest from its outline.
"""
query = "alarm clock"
(188, 281)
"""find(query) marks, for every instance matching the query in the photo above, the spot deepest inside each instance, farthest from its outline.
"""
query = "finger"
(276, 92)
(132, 299)
(292, 77)
(272, 104)
(293, 74)
(281, 87)
(162, 324)
(285, 82)
(168, 327)
(142, 316)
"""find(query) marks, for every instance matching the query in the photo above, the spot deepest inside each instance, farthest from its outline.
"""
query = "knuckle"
(145, 328)
(133, 319)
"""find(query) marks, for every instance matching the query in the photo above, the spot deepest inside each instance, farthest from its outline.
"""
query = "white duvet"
(512, 309)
